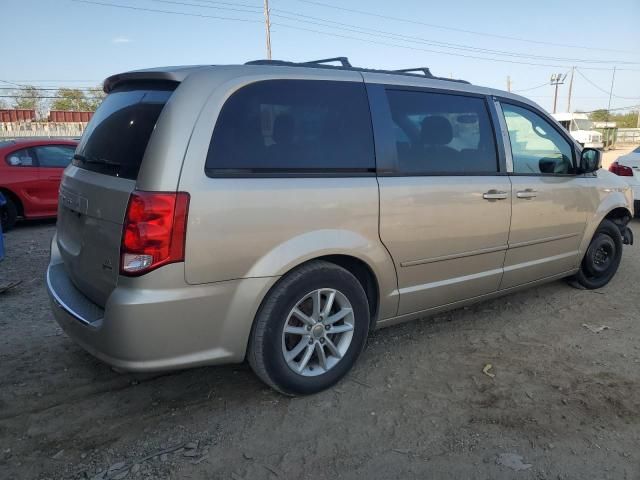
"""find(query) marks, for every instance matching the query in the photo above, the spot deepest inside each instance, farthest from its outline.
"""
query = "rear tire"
(310, 329)
(602, 259)
(8, 214)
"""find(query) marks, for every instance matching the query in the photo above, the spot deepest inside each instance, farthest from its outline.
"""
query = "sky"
(66, 43)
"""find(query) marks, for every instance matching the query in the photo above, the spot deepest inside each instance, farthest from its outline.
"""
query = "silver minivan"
(278, 212)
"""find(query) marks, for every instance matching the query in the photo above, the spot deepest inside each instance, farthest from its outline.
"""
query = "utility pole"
(557, 79)
(267, 25)
(573, 69)
(613, 79)
(508, 83)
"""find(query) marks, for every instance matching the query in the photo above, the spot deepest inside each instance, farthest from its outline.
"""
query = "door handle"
(527, 193)
(495, 195)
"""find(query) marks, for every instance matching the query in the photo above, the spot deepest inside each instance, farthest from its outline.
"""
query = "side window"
(290, 126)
(54, 155)
(442, 134)
(536, 146)
(21, 158)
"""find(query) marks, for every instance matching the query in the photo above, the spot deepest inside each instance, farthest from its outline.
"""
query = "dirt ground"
(564, 402)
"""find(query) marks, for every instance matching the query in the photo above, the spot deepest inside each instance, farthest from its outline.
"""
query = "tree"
(94, 98)
(599, 115)
(622, 120)
(73, 99)
(28, 98)
(70, 99)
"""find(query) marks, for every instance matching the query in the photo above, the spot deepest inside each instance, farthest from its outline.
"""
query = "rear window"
(117, 135)
(293, 126)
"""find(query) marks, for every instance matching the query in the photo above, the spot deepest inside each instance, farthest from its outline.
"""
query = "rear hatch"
(95, 188)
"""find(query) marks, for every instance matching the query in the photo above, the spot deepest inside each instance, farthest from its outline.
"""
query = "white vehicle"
(628, 167)
(581, 128)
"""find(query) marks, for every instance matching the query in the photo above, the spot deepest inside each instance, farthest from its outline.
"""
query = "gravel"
(565, 400)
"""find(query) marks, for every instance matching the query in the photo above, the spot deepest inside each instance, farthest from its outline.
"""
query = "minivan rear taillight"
(154, 231)
(621, 170)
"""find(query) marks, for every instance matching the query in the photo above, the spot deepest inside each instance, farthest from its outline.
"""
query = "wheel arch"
(15, 199)
(364, 274)
(366, 259)
(614, 207)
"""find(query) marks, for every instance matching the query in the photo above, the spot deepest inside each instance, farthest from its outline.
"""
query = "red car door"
(24, 180)
(52, 160)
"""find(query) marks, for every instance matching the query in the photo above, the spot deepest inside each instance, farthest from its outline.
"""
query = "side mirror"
(590, 160)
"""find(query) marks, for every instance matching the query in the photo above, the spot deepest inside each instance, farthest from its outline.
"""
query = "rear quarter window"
(293, 126)
(21, 158)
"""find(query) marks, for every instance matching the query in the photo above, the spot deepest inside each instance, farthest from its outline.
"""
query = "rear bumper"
(165, 325)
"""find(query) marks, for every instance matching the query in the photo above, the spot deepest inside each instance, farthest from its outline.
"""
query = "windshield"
(116, 138)
(582, 124)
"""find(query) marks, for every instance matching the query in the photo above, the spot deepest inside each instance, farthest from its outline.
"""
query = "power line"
(414, 39)
(129, 7)
(259, 8)
(56, 89)
(440, 52)
(417, 22)
(603, 90)
(394, 36)
(49, 81)
(208, 6)
(545, 84)
(375, 42)
(11, 83)
(34, 97)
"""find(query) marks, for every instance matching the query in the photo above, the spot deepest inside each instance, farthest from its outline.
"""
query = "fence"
(629, 135)
(10, 130)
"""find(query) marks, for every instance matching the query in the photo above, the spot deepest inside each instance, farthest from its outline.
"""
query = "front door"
(549, 199)
(444, 206)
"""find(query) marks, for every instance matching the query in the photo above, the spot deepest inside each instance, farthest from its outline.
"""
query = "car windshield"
(637, 150)
(583, 124)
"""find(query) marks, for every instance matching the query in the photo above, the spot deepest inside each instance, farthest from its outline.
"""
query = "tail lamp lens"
(621, 170)
(154, 231)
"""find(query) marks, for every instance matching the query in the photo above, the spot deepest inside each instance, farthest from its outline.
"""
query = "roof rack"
(424, 70)
(421, 72)
(344, 61)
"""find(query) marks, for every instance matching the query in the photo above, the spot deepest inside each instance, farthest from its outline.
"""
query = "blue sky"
(56, 43)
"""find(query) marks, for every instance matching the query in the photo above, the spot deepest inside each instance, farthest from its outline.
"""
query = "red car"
(30, 172)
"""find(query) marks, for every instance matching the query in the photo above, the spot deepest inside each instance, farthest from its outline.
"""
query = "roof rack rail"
(421, 72)
(344, 61)
(424, 70)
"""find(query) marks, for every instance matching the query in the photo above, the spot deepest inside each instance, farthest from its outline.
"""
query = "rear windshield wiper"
(97, 161)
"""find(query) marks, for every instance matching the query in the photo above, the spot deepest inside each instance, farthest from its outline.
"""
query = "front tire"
(602, 259)
(310, 329)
